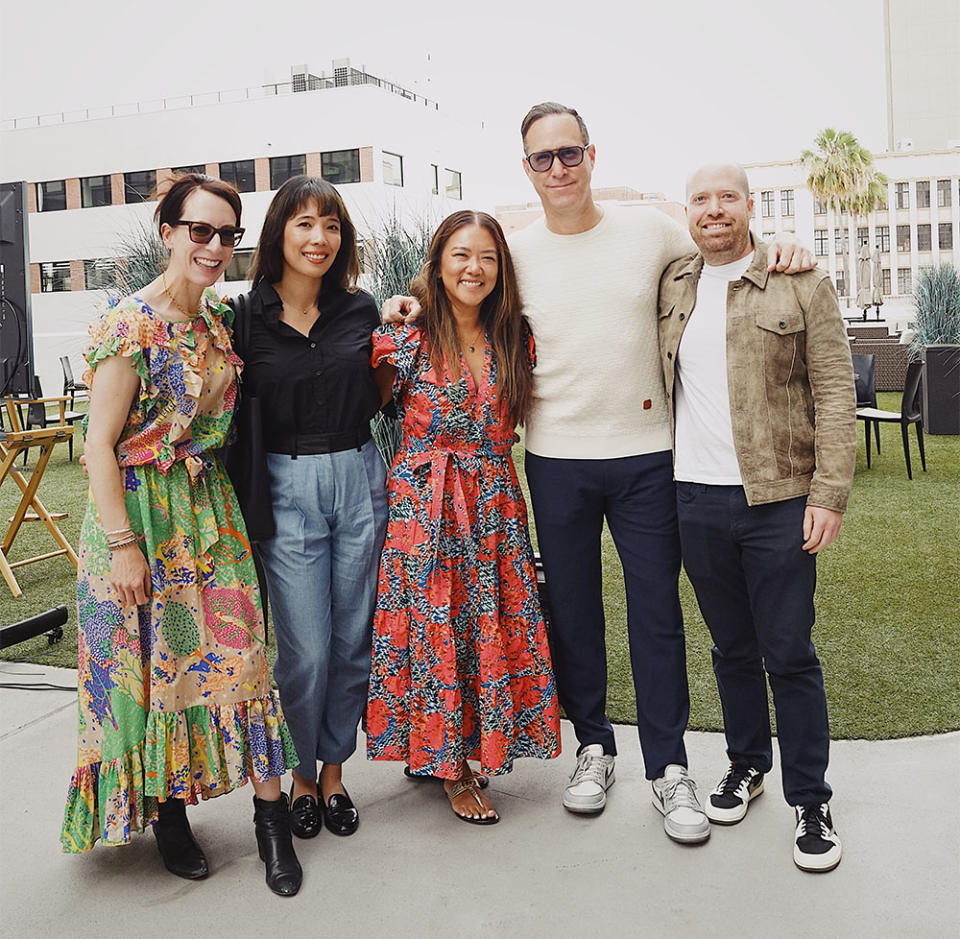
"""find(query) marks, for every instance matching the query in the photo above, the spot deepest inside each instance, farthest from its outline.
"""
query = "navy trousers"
(755, 588)
(636, 496)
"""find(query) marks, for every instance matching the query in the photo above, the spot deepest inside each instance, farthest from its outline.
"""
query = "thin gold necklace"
(305, 310)
(173, 299)
(472, 346)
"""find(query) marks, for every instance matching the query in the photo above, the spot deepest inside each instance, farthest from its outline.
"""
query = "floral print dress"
(461, 667)
(174, 696)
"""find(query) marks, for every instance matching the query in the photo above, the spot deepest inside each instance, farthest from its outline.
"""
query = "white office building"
(90, 174)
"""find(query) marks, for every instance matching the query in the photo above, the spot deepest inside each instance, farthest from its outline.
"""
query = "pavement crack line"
(38, 720)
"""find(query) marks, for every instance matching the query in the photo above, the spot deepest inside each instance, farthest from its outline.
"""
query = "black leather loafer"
(340, 815)
(305, 818)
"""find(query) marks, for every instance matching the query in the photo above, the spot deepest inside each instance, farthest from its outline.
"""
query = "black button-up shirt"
(308, 386)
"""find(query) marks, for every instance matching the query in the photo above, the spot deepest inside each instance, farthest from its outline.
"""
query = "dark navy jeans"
(755, 588)
(571, 499)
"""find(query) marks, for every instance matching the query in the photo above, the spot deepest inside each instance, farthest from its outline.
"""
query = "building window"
(882, 201)
(945, 234)
(100, 273)
(923, 193)
(904, 280)
(903, 238)
(241, 174)
(239, 266)
(841, 286)
(200, 168)
(923, 238)
(863, 236)
(838, 242)
(453, 186)
(819, 208)
(786, 202)
(903, 195)
(392, 169)
(139, 186)
(434, 179)
(883, 238)
(820, 242)
(885, 281)
(51, 196)
(766, 204)
(286, 167)
(943, 193)
(54, 276)
(94, 191)
(340, 166)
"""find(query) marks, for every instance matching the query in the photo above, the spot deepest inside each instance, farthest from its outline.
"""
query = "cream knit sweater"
(591, 299)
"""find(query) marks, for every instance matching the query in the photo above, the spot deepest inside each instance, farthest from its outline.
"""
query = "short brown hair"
(174, 192)
(551, 107)
(293, 195)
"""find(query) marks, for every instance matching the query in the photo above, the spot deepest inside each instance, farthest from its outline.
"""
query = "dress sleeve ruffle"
(123, 329)
(399, 345)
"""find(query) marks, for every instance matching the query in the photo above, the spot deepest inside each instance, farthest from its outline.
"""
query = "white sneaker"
(817, 847)
(586, 793)
(728, 803)
(675, 797)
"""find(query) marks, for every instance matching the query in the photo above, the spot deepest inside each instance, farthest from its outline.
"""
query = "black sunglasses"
(202, 234)
(542, 160)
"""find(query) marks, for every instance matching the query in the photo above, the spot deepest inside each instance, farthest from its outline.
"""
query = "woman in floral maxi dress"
(175, 702)
(461, 668)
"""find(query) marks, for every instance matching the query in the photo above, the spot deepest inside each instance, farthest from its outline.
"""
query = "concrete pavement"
(414, 870)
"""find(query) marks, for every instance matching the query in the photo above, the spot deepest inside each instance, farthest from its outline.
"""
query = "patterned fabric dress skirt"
(174, 696)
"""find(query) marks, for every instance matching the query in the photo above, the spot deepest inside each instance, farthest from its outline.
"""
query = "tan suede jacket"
(792, 399)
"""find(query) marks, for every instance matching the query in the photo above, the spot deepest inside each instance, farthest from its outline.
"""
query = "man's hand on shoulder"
(786, 253)
(820, 527)
(400, 310)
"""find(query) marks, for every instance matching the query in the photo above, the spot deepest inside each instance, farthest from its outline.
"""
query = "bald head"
(718, 212)
(730, 174)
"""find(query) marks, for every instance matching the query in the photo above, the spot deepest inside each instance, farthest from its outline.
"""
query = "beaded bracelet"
(122, 543)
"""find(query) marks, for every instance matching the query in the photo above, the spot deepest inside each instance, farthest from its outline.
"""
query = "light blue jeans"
(330, 511)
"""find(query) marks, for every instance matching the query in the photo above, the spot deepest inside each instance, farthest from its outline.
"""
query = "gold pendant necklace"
(472, 345)
(173, 299)
(305, 311)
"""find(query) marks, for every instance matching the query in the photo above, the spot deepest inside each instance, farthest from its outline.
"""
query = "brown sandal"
(470, 785)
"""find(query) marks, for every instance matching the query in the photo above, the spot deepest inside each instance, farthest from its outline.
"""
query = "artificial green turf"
(888, 600)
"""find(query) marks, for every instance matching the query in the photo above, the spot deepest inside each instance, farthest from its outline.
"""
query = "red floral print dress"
(461, 668)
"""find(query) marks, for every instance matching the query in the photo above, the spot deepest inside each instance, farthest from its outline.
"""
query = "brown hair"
(551, 107)
(174, 192)
(293, 195)
(500, 314)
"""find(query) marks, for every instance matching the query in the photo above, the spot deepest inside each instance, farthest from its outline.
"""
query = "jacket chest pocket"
(783, 339)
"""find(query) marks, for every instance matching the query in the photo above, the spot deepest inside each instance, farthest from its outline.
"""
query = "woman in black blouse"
(306, 348)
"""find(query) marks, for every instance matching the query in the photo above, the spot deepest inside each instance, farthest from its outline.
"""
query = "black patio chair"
(37, 416)
(910, 413)
(70, 385)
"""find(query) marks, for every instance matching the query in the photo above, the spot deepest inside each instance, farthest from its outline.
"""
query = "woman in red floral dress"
(461, 668)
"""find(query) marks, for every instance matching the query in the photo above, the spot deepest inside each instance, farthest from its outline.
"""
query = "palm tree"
(843, 177)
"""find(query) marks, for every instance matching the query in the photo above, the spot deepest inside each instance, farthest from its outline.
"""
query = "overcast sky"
(663, 86)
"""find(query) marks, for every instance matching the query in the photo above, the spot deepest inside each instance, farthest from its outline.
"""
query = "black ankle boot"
(272, 821)
(180, 852)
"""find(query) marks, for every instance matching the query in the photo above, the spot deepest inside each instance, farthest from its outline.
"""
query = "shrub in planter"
(936, 299)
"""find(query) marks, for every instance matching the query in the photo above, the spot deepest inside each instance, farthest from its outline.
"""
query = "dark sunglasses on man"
(202, 234)
(542, 160)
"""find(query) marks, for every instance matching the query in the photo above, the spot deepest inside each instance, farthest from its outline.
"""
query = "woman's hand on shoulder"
(130, 575)
(399, 309)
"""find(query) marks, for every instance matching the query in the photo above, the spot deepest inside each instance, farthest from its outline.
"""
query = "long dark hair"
(501, 315)
(293, 195)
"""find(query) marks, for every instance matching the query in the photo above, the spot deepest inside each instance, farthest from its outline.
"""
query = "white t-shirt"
(704, 450)
(591, 299)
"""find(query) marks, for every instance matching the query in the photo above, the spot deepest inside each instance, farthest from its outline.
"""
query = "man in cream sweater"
(598, 444)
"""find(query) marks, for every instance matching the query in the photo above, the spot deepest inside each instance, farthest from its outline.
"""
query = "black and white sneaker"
(817, 847)
(728, 803)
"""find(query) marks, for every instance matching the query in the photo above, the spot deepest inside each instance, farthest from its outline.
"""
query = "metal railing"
(350, 77)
